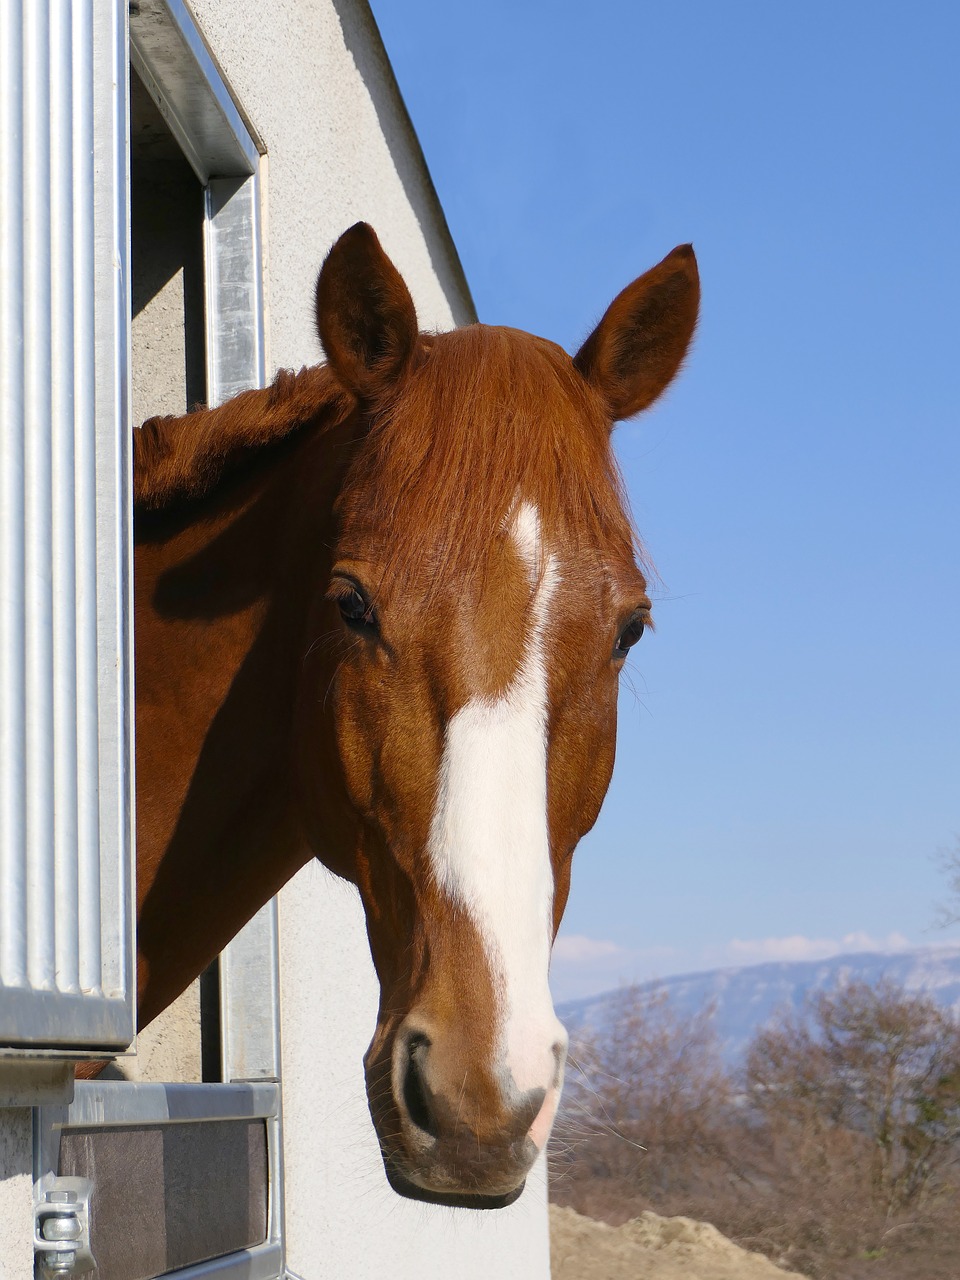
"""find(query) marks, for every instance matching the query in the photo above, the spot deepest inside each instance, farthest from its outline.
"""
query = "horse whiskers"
(463, 1087)
(336, 672)
(325, 638)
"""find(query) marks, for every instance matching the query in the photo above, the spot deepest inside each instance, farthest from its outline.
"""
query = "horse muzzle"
(452, 1132)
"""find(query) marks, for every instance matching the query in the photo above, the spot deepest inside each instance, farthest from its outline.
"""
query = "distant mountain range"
(746, 998)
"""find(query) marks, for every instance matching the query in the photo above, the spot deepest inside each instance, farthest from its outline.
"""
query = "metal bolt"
(62, 1264)
(61, 1226)
(61, 1197)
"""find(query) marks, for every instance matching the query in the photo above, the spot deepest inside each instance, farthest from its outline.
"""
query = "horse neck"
(222, 590)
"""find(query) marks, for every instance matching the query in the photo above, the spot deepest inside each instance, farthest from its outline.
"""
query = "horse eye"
(355, 610)
(629, 636)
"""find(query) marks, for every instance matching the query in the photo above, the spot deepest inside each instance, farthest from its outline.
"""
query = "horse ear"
(365, 316)
(638, 346)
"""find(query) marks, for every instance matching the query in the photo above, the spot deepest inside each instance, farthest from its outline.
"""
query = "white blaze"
(489, 841)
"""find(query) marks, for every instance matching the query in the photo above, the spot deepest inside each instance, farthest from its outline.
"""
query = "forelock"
(492, 417)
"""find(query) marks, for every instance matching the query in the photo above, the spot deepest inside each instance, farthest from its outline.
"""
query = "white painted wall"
(315, 84)
(343, 1221)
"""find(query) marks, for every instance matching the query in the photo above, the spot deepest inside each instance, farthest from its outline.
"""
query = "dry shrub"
(653, 1082)
(835, 1151)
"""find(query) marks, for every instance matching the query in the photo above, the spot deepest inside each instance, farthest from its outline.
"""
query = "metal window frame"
(181, 75)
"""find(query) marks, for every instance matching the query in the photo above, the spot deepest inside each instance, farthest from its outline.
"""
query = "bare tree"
(948, 860)
(644, 1095)
(835, 1151)
(878, 1062)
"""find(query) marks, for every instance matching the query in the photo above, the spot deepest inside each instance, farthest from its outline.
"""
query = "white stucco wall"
(313, 81)
(16, 1194)
(343, 1221)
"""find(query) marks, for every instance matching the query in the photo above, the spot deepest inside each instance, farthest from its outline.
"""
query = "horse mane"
(490, 416)
(182, 458)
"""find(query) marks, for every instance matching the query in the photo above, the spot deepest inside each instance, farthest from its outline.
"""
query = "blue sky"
(789, 759)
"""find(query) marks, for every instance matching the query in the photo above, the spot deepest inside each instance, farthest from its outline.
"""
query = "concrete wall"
(16, 1194)
(166, 213)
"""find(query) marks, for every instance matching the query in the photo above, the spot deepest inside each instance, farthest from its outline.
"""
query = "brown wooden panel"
(166, 1196)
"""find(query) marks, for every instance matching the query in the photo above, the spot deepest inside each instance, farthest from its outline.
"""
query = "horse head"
(457, 707)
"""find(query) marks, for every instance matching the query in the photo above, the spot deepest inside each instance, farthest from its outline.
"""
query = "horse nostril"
(529, 1108)
(415, 1094)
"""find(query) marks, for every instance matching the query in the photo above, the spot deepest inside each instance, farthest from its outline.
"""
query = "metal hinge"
(61, 1228)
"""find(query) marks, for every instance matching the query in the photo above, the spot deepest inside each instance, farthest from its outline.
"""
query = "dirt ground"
(650, 1248)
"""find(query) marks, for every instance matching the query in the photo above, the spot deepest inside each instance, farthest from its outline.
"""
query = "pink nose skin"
(540, 1129)
(474, 1140)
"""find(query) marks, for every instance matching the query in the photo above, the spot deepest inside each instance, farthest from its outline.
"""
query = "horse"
(381, 609)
